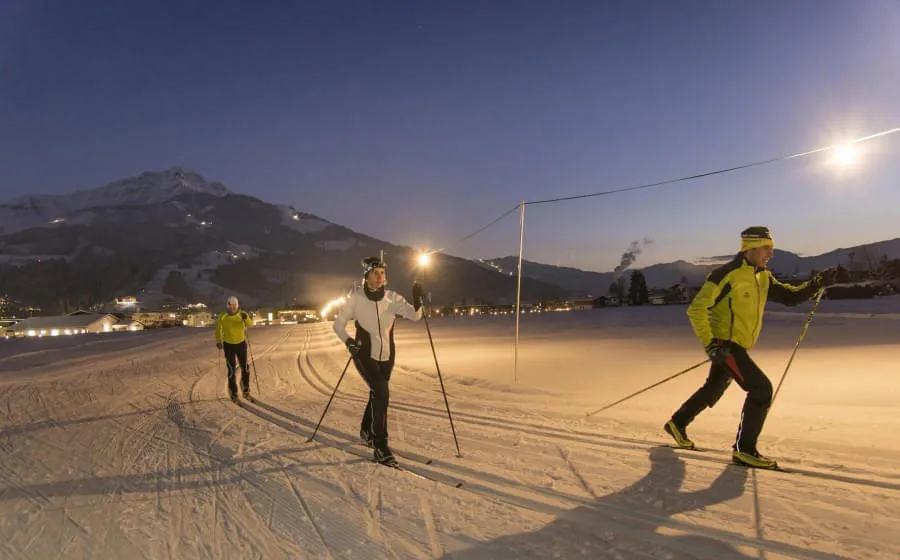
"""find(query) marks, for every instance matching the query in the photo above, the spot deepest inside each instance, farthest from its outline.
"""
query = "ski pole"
(441, 379)
(796, 346)
(333, 393)
(658, 383)
(224, 361)
(253, 366)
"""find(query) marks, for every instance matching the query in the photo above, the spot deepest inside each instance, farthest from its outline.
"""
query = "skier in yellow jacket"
(727, 315)
(231, 336)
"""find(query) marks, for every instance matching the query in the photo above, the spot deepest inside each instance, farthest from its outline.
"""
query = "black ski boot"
(367, 437)
(384, 455)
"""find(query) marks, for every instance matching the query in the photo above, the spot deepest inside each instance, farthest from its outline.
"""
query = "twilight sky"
(419, 122)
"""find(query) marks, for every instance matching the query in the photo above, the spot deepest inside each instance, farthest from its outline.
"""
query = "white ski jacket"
(374, 321)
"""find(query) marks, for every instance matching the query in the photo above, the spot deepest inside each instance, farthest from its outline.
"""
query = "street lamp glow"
(846, 155)
(424, 259)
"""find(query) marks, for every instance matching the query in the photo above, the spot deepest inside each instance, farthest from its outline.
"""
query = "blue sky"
(419, 122)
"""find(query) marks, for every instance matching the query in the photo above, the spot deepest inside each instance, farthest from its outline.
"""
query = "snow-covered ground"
(124, 445)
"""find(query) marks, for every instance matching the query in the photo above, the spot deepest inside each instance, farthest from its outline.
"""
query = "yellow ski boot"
(679, 435)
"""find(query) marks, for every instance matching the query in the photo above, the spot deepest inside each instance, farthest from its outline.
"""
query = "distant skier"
(231, 335)
(726, 315)
(374, 309)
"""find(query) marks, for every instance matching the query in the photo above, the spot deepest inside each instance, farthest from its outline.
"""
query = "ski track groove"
(308, 513)
(634, 449)
(315, 387)
(575, 472)
(437, 550)
(604, 441)
(596, 439)
(757, 514)
(502, 497)
(148, 427)
(153, 437)
(362, 505)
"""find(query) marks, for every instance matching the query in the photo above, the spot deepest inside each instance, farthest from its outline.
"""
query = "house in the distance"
(77, 322)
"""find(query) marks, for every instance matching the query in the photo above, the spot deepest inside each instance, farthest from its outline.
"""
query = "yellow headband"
(748, 243)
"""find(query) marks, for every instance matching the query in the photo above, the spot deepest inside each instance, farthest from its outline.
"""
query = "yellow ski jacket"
(731, 302)
(232, 328)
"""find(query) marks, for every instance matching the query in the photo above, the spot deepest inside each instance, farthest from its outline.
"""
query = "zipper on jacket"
(380, 334)
(758, 310)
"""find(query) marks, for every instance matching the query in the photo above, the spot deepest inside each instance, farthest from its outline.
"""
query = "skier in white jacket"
(374, 309)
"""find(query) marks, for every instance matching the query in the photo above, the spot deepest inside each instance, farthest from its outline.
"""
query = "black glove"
(244, 316)
(353, 346)
(827, 277)
(418, 295)
(219, 345)
(718, 351)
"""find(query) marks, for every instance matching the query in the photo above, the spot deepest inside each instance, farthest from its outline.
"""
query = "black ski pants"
(237, 353)
(751, 379)
(377, 376)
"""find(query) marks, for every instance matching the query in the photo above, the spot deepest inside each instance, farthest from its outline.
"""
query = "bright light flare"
(424, 259)
(331, 305)
(845, 155)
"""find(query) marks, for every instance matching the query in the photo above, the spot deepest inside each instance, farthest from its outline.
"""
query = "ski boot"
(753, 459)
(679, 435)
(367, 437)
(384, 455)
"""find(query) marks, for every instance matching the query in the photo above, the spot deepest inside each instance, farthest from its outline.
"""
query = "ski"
(776, 468)
(679, 448)
(351, 449)
(409, 469)
(729, 462)
(418, 474)
(411, 456)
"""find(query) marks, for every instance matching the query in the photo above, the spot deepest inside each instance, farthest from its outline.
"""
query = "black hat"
(371, 263)
(756, 232)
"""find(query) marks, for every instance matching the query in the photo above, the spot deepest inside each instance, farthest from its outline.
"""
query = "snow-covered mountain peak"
(150, 187)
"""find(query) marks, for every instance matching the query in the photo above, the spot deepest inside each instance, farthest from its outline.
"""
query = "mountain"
(77, 207)
(585, 283)
(173, 234)
(866, 256)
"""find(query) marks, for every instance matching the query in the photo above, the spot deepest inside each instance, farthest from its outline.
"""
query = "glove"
(718, 351)
(219, 345)
(353, 346)
(244, 315)
(418, 295)
(827, 277)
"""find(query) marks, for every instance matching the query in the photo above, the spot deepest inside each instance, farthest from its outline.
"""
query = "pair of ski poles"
(440, 378)
(695, 366)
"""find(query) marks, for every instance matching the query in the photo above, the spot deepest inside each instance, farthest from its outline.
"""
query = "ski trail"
(309, 515)
(436, 549)
(757, 514)
(221, 431)
(217, 521)
(374, 510)
(242, 444)
(581, 481)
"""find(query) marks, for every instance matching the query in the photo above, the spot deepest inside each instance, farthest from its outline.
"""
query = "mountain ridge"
(143, 234)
